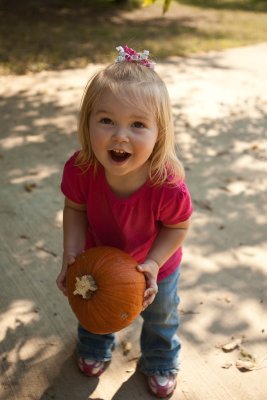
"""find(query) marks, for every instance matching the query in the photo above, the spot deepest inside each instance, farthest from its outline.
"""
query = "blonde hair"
(136, 85)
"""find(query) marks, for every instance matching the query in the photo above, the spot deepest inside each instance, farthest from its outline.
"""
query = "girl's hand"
(150, 268)
(61, 279)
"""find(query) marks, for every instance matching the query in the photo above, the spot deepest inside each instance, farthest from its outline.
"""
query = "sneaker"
(91, 367)
(162, 386)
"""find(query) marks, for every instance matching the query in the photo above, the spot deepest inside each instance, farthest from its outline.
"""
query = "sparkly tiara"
(129, 55)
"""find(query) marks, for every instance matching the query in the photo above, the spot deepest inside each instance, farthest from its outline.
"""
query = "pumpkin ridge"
(133, 302)
(94, 321)
(107, 315)
(119, 293)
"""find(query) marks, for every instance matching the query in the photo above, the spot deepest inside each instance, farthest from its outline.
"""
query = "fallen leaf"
(227, 365)
(134, 358)
(129, 370)
(222, 152)
(29, 187)
(23, 236)
(203, 204)
(232, 345)
(41, 248)
(126, 347)
(254, 147)
(246, 356)
(243, 365)
(225, 188)
(227, 299)
(248, 362)
(188, 312)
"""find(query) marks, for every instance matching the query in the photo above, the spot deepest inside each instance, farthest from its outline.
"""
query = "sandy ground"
(220, 111)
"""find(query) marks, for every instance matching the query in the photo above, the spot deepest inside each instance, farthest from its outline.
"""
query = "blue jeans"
(160, 345)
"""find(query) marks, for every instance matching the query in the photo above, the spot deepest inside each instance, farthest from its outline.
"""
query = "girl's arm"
(74, 237)
(169, 239)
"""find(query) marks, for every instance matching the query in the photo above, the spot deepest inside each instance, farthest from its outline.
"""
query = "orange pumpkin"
(105, 290)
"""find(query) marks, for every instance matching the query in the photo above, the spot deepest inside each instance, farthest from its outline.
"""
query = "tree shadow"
(33, 313)
(225, 315)
(228, 156)
(136, 385)
(225, 159)
(23, 371)
(75, 384)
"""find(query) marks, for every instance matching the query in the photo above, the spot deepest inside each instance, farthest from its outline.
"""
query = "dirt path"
(220, 109)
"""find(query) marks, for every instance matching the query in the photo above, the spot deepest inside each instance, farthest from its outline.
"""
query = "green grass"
(241, 5)
(46, 34)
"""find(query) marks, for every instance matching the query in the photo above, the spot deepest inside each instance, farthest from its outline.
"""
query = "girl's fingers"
(68, 259)
(148, 301)
(61, 283)
(71, 260)
(150, 292)
(149, 296)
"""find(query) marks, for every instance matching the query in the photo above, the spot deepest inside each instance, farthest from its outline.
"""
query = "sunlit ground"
(220, 124)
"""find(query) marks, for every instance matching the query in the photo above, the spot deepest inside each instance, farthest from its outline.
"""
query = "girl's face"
(122, 136)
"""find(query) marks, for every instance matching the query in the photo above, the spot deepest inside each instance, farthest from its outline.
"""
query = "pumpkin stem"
(85, 286)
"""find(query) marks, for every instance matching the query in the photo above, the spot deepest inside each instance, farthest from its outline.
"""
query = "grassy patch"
(47, 34)
(241, 5)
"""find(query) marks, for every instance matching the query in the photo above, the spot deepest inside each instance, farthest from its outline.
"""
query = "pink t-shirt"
(130, 224)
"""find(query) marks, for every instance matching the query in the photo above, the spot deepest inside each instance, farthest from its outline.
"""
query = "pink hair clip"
(130, 55)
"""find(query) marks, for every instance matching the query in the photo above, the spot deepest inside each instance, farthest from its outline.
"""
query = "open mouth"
(119, 155)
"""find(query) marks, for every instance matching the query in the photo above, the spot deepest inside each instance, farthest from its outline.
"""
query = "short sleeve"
(73, 184)
(176, 204)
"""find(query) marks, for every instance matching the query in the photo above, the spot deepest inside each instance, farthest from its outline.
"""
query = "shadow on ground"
(225, 160)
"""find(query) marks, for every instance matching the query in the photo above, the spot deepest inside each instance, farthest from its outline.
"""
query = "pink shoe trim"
(162, 386)
(91, 367)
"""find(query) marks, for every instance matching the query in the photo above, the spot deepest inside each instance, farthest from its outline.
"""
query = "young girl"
(125, 188)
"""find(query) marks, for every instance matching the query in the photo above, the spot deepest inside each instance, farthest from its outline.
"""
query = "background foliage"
(56, 34)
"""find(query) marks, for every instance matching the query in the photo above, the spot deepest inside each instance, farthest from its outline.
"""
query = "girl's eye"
(106, 121)
(138, 124)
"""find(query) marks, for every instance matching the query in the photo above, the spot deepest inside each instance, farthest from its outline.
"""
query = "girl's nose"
(121, 135)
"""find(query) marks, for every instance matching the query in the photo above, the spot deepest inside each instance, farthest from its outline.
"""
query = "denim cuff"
(159, 370)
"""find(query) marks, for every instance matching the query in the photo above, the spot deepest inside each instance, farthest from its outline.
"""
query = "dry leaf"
(246, 356)
(227, 365)
(126, 347)
(23, 236)
(130, 370)
(29, 186)
(205, 205)
(134, 358)
(222, 152)
(244, 365)
(225, 188)
(254, 147)
(248, 362)
(232, 345)
(41, 248)
(188, 312)
(227, 299)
